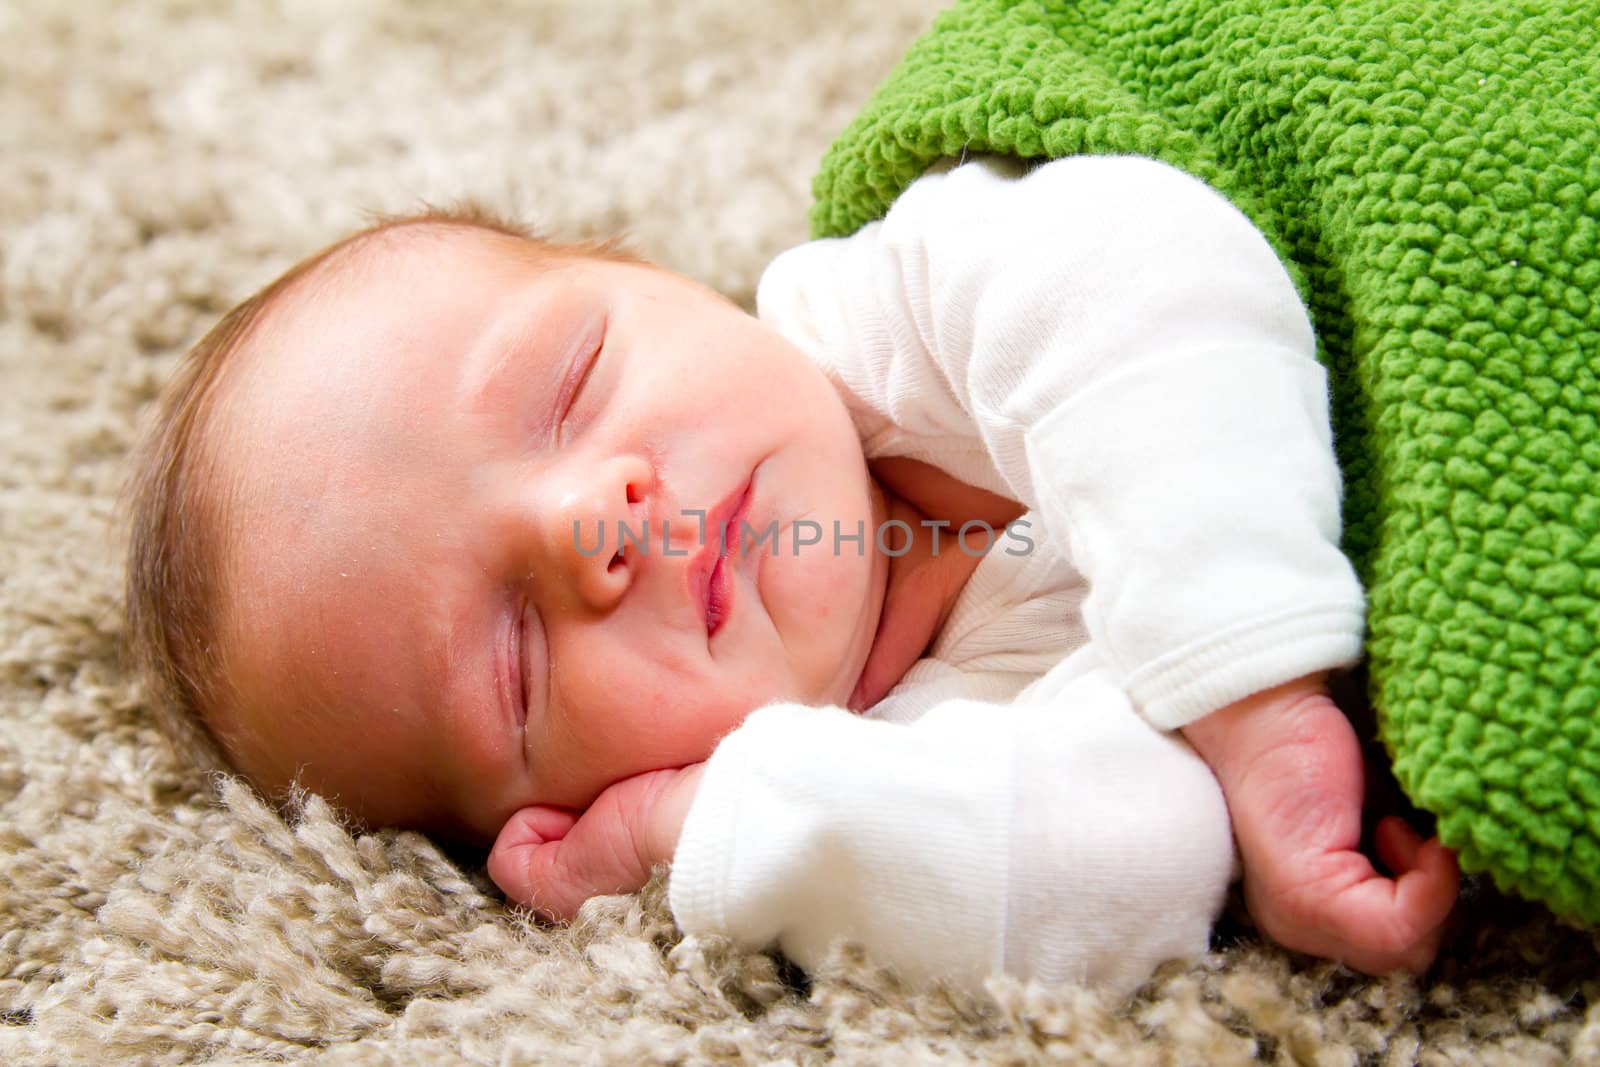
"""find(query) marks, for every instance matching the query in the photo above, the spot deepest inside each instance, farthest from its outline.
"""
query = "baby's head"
(375, 546)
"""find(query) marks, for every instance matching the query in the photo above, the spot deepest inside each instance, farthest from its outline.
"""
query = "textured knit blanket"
(1429, 174)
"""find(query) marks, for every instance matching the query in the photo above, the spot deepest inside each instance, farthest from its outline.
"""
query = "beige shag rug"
(158, 162)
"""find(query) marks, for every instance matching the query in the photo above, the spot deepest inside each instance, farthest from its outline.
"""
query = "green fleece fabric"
(1430, 174)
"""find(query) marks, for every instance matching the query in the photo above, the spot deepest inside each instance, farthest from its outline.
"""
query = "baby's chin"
(839, 687)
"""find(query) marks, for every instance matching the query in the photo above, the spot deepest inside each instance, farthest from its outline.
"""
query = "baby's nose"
(597, 534)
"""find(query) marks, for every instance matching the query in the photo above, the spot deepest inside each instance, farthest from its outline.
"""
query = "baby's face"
(412, 625)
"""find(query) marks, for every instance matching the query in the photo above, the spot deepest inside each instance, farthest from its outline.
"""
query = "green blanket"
(1430, 174)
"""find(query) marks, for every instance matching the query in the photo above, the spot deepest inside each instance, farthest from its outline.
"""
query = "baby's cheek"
(818, 596)
(810, 588)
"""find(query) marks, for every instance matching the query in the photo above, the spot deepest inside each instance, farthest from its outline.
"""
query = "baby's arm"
(1143, 374)
(1290, 765)
(1058, 839)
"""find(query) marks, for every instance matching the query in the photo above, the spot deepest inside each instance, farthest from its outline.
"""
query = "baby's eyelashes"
(572, 390)
(522, 689)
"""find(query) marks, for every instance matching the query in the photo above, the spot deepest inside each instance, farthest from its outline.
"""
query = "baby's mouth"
(718, 592)
(722, 537)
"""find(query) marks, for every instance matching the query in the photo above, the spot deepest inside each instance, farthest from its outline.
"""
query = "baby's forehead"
(340, 374)
(358, 361)
(384, 282)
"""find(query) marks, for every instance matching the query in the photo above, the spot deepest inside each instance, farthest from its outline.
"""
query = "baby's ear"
(523, 834)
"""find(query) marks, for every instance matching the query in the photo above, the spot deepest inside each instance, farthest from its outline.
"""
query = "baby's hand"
(552, 860)
(1290, 768)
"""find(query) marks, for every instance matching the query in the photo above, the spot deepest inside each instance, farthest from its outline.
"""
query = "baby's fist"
(1290, 767)
(552, 861)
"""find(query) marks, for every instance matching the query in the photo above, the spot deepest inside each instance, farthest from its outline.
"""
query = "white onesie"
(1112, 344)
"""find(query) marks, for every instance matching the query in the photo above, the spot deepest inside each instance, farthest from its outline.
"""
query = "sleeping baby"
(950, 607)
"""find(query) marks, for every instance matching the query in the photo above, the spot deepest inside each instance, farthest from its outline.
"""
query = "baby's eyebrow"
(551, 333)
(500, 350)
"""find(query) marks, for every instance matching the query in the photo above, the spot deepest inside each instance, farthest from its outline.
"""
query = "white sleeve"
(1067, 841)
(1122, 347)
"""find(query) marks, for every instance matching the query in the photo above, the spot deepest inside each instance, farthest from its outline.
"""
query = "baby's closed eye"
(587, 355)
(528, 660)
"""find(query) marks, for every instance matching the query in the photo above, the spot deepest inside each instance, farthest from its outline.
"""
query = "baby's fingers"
(522, 860)
(1398, 924)
(549, 860)
(1427, 877)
